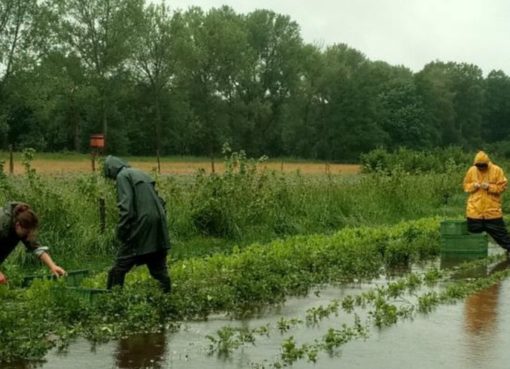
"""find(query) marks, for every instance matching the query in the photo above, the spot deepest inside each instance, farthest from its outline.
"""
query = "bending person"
(18, 222)
(142, 228)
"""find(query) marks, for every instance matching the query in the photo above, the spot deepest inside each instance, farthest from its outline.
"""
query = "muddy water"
(474, 333)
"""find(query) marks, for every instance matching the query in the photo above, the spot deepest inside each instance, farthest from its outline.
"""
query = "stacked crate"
(456, 240)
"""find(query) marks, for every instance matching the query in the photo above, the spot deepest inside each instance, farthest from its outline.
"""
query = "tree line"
(185, 82)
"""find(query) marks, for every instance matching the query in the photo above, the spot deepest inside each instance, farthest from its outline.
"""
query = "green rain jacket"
(142, 227)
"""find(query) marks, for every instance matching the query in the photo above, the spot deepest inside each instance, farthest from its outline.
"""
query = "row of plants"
(33, 321)
(245, 204)
(386, 312)
(439, 160)
(382, 306)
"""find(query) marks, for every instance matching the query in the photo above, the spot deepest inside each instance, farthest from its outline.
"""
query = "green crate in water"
(73, 278)
(474, 243)
(87, 294)
(454, 227)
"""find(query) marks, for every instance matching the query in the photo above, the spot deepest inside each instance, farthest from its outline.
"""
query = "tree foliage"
(186, 82)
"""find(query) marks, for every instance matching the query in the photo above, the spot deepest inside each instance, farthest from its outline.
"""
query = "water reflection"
(20, 365)
(147, 351)
(480, 310)
(468, 335)
(480, 319)
(449, 261)
(398, 270)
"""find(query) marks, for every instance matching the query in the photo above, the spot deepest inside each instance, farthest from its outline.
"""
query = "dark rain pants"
(155, 261)
(494, 227)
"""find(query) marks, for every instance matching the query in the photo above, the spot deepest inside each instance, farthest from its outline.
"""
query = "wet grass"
(241, 283)
(246, 204)
(242, 239)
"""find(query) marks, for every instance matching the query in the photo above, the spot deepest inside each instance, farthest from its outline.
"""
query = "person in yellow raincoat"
(485, 182)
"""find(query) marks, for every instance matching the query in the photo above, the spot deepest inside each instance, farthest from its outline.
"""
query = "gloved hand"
(485, 185)
(476, 186)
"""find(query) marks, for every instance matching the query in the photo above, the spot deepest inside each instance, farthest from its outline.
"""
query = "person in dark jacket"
(18, 222)
(142, 228)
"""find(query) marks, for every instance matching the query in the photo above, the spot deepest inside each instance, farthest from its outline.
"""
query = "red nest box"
(97, 141)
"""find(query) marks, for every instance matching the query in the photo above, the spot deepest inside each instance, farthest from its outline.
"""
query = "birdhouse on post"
(97, 146)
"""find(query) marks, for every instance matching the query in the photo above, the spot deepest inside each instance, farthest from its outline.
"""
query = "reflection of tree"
(21, 365)
(143, 351)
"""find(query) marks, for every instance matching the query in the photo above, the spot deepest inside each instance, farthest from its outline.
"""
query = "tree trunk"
(75, 118)
(158, 130)
(105, 124)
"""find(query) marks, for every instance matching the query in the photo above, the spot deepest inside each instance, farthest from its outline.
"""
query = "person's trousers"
(494, 227)
(155, 261)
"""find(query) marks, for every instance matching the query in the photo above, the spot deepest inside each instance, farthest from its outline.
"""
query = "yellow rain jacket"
(484, 204)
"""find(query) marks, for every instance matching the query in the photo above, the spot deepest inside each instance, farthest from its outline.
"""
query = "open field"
(76, 163)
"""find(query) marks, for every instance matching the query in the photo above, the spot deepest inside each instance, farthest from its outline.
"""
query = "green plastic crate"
(474, 243)
(451, 261)
(87, 294)
(73, 278)
(454, 227)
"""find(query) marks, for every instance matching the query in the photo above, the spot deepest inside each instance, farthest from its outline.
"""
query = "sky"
(410, 33)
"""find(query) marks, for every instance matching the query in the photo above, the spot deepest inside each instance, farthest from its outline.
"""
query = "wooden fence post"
(11, 160)
(93, 160)
(159, 162)
(102, 214)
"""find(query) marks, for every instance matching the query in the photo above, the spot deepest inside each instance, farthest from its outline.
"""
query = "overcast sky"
(412, 33)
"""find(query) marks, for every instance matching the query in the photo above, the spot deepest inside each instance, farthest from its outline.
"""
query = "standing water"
(474, 333)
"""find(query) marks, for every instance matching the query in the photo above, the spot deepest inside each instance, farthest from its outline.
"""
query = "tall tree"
(396, 106)
(454, 96)
(435, 87)
(154, 58)
(277, 44)
(25, 38)
(401, 115)
(101, 33)
(469, 100)
(305, 108)
(349, 126)
(15, 21)
(496, 121)
(212, 63)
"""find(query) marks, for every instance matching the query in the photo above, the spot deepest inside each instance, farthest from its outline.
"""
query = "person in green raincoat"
(142, 227)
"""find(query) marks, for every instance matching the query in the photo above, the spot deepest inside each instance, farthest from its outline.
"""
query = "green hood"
(113, 165)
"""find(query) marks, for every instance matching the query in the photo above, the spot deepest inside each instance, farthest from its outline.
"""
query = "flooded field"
(473, 333)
